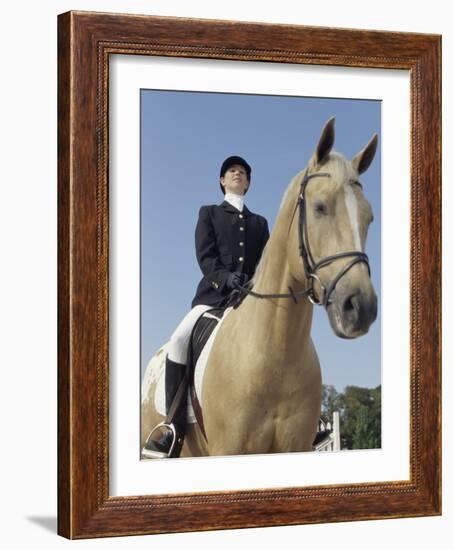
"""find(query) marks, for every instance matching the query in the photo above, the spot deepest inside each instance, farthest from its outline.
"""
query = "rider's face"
(235, 180)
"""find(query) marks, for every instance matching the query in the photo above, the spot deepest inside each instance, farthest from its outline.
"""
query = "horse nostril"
(350, 304)
(358, 311)
(351, 310)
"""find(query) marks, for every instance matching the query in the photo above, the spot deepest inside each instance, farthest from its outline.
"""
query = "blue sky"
(185, 136)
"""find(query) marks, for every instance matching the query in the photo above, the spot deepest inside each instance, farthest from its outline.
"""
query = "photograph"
(260, 255)
(248, 274)
(226, 258)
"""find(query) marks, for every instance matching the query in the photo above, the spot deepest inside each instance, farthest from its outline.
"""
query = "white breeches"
(179, 341)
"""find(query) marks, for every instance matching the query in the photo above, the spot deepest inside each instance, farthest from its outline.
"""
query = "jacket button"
(241, 259)
(241, 216)
(241, 244)
(241, 228)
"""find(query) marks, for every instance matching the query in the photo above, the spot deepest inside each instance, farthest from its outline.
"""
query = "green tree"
(330, 402)
(361, 435)
(360, 415)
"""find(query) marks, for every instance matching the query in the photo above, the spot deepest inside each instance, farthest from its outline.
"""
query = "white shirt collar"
(236, 200)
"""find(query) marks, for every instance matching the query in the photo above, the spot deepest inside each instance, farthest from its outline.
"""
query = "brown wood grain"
(85, 41)
(64, 425)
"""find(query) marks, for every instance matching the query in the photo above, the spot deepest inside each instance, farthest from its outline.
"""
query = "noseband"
(310, 266)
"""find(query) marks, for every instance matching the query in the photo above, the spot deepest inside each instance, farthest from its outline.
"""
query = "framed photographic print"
(273, 193)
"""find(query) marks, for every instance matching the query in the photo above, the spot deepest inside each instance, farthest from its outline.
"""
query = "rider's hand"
(234, 280)
(244, 279)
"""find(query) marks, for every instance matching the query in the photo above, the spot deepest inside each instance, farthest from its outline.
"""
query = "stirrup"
(151, 453)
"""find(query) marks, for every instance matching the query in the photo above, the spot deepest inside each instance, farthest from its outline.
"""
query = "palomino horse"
(262, 386)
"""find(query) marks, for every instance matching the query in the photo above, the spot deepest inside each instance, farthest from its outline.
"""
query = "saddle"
(207, 322)
(201, 332)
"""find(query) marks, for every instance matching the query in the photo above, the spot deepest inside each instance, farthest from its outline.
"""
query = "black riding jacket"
(226, 240)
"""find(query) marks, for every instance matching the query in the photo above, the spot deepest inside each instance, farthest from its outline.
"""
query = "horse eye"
(320, 208)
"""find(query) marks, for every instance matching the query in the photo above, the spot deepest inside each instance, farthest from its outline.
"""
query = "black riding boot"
(166, 439)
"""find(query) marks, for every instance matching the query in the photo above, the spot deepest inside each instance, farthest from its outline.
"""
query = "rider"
(229, 241)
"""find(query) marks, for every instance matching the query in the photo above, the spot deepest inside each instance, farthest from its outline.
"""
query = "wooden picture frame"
(85, 42)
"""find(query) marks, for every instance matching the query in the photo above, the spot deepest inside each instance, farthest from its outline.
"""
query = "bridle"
(310, 266)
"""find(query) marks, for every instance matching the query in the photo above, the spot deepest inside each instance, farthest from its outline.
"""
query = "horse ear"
(326, 140)
(361, 162)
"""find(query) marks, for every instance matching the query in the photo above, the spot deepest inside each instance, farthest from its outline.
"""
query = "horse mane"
(295, 182)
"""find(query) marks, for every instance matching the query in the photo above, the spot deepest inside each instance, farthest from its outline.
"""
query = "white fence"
(332, 443)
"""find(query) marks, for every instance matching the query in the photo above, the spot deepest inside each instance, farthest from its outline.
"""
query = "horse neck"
(288, 320)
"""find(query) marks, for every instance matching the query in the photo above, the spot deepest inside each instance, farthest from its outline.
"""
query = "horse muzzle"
(351, 313)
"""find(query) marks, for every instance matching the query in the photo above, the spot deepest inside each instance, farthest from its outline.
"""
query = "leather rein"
(310, 266)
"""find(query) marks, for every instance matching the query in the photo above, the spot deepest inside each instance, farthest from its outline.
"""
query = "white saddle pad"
(156, 368)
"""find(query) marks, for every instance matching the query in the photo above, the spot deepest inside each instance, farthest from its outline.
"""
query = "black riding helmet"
(229, 162)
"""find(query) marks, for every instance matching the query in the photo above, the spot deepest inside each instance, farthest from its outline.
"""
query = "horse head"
(326, 242)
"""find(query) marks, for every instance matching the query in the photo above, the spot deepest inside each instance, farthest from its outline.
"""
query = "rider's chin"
(351, 315)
